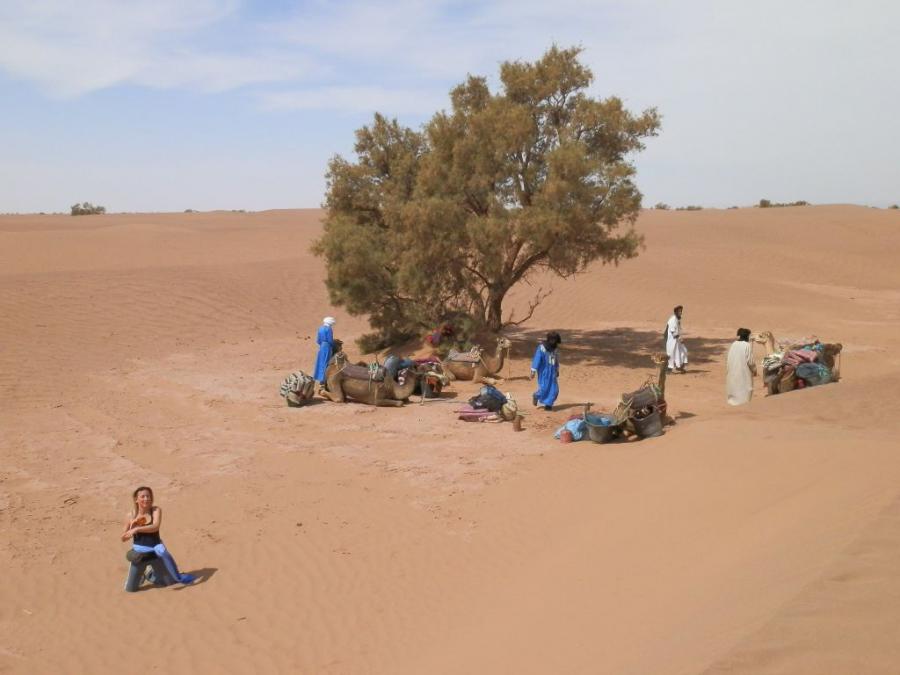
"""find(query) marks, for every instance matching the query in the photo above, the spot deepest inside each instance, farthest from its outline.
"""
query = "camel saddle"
(365, 373)
(471, 356)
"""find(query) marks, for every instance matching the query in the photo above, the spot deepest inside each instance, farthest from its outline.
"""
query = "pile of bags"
(489, 405)
(806, 366)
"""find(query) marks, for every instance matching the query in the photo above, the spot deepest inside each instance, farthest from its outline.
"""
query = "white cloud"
(798, 96)
(73, 48)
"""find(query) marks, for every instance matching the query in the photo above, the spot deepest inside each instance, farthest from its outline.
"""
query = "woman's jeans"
(163, 553)
(157, 574)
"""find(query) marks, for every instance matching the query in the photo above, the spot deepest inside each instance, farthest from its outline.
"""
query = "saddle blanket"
(471, 356)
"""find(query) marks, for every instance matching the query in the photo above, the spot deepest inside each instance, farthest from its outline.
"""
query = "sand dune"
(148, 349)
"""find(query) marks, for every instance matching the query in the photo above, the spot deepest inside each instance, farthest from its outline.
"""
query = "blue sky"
(166, 105)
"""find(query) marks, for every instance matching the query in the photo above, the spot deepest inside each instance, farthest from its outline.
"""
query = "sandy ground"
(148, 349)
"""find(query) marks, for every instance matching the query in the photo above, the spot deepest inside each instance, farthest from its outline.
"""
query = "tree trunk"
(494, 318)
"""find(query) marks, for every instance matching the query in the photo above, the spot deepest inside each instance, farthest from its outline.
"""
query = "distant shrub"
(894, 206)
(189, 211)
(662, 206)
(766, 204)
(87, 209)
(689, 208)
(730, 208)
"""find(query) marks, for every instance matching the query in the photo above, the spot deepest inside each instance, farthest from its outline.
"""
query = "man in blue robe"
(545, 365)
(325, 340)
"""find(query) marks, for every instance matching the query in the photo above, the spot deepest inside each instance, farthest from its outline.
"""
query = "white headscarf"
(328, 321)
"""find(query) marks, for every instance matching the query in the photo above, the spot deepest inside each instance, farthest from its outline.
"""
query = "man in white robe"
(675, 349)
(740, 369)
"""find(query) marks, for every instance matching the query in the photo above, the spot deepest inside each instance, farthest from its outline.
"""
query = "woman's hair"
(743, 334)
(134, 496)
(677, 307)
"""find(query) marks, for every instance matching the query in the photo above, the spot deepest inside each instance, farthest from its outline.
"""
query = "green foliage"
(766, 204)
(662, 206)
(87, 209)
(689, 208)
(443, 222)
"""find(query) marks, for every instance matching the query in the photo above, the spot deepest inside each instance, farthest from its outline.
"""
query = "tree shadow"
(625, 347)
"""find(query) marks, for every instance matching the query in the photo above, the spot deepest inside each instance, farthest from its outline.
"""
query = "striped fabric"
(298, 383)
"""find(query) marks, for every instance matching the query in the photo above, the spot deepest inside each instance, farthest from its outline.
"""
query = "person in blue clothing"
(545, 365)
(325, 340)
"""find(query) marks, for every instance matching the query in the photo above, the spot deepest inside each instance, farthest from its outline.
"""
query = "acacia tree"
(450, 219)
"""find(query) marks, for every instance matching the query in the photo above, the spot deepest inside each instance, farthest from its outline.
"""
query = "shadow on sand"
(202, 576)
(623, 347)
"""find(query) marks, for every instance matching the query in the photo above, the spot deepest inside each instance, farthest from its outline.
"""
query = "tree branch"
(478, 274)
(538, 299)
(525, 266)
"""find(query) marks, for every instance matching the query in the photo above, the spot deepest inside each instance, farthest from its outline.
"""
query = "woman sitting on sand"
(143, 525)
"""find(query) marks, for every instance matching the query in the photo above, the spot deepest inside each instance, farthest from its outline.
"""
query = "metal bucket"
(599, 432)
(649, 426)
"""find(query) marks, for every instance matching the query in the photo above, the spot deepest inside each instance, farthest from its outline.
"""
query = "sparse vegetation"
(894, 206)
(447, 220)
(731, 208)
(662, 206)
(689, 208)
(766, 204)
(87, 209)
(189, 211)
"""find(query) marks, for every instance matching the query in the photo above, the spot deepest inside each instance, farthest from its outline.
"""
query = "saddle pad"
(465, 357)
(355, 372)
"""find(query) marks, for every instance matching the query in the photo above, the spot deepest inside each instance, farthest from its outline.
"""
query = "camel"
(349, 381)
(481, 366)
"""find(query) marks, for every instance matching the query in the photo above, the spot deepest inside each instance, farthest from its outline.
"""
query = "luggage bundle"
(489, 405)
(297, 388)
(806, 365)
(488, 398)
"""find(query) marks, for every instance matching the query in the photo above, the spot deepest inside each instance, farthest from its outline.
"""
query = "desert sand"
(149, 349)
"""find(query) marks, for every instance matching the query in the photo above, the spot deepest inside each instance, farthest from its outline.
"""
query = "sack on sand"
(298, 383)
(510, 409)
(489, 398)
(577, 427)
